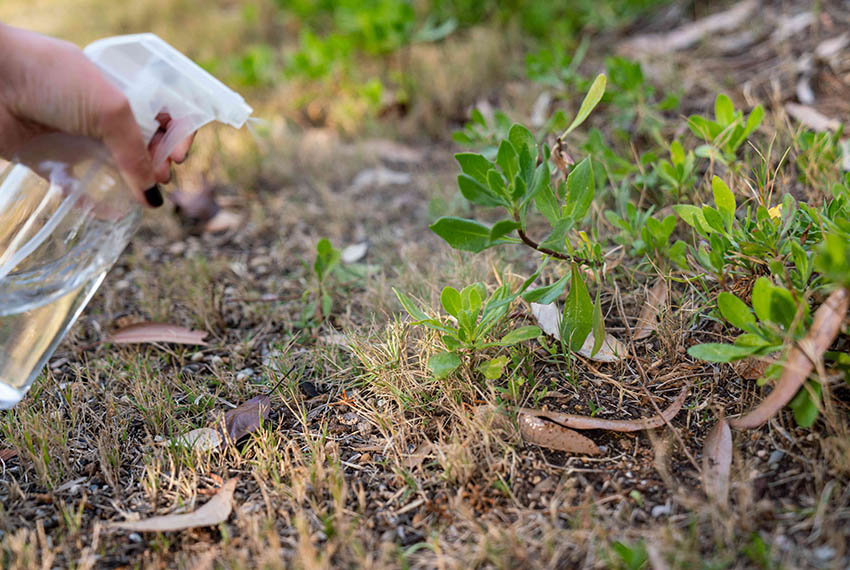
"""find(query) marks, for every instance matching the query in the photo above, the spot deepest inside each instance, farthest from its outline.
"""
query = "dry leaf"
(717, 462)
(812, 118)
(215, 511)
(201, 439)
(540, 109)
(832, 47)
(392, 151)
(689, 34)
(549, 319)
(800, 361)
(655, 301)
(354, 252)
(157, 332)
(8, 453)
(554, 436)
(378, 178)
(246, 418)
(612, 350)
(586, 422)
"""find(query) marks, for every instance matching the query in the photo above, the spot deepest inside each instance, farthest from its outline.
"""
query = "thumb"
(121, 134)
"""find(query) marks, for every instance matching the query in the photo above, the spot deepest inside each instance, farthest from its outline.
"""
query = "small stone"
(244, 374)
(122, 285)
(775, 456)
(135, 537)
(177, 248)
(660, 510)
(762, 453)
(197, 356)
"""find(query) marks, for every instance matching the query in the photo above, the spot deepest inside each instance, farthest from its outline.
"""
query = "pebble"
(177, 248)
(197, 356)
(660, 510)
(135, 537)
(244, 374)
(762, 453)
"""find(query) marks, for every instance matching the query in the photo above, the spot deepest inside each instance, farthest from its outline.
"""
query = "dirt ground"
(366, 459)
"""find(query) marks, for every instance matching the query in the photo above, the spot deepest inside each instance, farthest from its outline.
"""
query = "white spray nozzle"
(156, 78)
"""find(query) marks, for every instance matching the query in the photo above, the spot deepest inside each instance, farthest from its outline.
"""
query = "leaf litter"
(157, 332)
(548, 317)
(801, 360)
(647, 322)
(539, 431)
(717, 462)
(213, 512)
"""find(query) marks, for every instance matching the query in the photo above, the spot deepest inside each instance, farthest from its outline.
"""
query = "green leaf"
(594, 95)
(539, 185)
(578, 312)
(503, 228)
(724, 111)
(478, 193)
(521, 334)
(805, 404)
(443, 363)
(713, 218)
(450, 299)
(410, 307)
(451, 341)
(507, 159)
(773, 304)
(736, 311)
(525, 145)
(326, 258)
(724, 199)
(467, 235)
(548, 293)
(580, 189)
(492, 369)
(720, 352)
(546, 202)
(474, 165)
(754, 120)
(677, 153)
(598, 325)
(693, 216)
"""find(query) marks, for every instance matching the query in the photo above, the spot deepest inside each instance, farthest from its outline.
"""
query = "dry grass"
(367, 460)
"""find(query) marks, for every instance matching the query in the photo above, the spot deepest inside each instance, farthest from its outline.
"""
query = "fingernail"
(153, 195)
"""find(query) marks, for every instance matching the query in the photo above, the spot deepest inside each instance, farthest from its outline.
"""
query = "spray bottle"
(66, 216)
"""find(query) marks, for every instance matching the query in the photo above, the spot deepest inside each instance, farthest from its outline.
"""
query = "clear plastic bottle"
(66, 213)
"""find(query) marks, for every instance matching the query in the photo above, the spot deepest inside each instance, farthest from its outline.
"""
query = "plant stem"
(556, 254)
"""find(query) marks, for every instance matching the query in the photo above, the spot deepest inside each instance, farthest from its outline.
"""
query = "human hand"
(48, 85)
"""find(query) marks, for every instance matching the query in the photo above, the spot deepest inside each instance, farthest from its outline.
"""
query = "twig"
(556, 254)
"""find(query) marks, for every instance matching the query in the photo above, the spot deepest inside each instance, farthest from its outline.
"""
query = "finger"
(122, 136)
(181, 152)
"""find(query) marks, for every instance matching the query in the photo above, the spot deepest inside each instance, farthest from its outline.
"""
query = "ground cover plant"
(493, 284)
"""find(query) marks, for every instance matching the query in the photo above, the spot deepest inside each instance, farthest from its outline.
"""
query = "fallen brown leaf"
(717, 462)
(213, 512)
(8, 453)
(800, 361)
(157, 332)
(586, 422)
(812, 118)
(689, 34)
(647, 322)
(552, 435)
(202, 439)
(246, 418)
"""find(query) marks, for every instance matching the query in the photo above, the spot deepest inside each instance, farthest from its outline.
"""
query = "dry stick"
(643, 378)
(801, 360)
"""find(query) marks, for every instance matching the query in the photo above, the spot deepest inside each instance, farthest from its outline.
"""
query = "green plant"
(320, 300)
(727, 132)
(679, 173)
(475, 316)
(630, 556)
